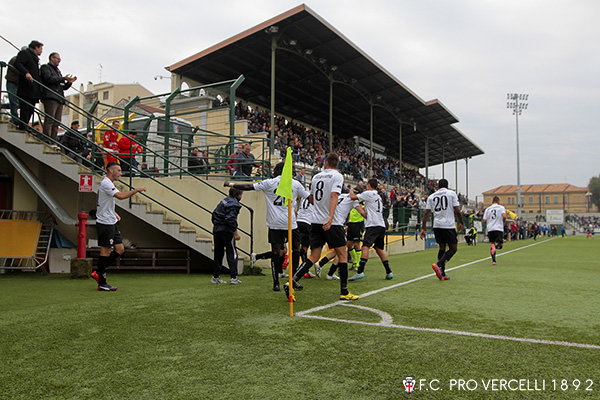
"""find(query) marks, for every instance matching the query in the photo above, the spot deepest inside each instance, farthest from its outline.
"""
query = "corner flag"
(284, 189)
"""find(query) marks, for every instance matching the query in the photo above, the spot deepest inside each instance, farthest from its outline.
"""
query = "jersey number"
(319, 191)
(441, 203)
(493, 214)
(278, 200)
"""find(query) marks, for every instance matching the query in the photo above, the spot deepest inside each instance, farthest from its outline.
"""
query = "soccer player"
(374, 229)
(344, 206)
(494, 217)
(444, 204)
(277, 219)
(326, 187)
(109, 236)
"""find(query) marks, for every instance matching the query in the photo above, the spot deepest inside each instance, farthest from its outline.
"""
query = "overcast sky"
(466, 53)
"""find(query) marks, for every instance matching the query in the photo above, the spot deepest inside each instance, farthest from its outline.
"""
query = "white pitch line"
(320, 308)
(386, 319)
(460, 333)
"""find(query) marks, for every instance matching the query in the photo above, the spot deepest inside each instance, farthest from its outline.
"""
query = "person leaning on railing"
(127, 151)
(53, 96)
(29, 92)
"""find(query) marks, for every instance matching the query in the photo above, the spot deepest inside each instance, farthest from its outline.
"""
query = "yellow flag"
(284, 189)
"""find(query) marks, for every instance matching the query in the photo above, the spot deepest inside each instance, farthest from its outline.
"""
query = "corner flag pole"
(284, 189)
(290, 263)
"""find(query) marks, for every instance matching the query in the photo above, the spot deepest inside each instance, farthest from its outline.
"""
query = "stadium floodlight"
(516, 103)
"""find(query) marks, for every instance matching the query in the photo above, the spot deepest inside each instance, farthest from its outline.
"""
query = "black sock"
(274, 271)
(323, 262)
(386, 265)
(441, 254)
(447, 256)
(361, 266)
(332, 269)
(113, 257)
(101, 270)
(303, 269)
(262, 256)
(295, 261)
(343, 268)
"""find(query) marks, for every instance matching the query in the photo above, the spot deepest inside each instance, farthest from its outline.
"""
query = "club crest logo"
(409, 384)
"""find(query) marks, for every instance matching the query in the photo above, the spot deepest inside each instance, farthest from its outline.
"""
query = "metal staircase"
(141, 207)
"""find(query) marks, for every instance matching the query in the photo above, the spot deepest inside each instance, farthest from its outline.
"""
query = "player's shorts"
(304, 233)
(108, 235)
(334, 237)
(355, 230)
(280, 236)
(443, 235)
(374, 236)
(496, 236)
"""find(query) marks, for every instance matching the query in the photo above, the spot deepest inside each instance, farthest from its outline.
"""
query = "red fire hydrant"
(81, 243)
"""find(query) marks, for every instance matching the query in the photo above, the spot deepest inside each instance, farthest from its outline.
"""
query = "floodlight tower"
(517, 103)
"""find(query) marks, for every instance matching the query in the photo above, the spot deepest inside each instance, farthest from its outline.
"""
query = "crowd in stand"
(310, 147)
(582, 221)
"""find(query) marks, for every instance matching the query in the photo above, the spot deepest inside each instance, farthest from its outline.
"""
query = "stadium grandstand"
(293, 80)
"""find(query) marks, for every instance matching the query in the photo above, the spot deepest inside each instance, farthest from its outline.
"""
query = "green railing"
(172, 165)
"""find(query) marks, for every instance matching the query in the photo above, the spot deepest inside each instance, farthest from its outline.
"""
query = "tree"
(594, 188)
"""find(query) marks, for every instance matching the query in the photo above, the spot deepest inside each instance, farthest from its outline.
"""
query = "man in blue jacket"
(224, 219)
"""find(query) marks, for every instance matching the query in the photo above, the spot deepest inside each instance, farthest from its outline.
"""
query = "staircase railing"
(168, 163)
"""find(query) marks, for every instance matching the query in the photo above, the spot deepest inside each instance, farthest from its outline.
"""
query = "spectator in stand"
(111, 140)
(29, 91)
(90, 147)
(231, 161)
(245, 161)
(53, 96)
(205, 163)
(128, 148)
(37, 126)
(301, 177)
(12, 86)
(194, 162)
(73, 143)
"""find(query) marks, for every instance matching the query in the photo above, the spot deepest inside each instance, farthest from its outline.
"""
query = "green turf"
(172, 336)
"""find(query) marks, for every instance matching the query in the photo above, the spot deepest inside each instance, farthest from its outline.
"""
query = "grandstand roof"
(540, 188)
(310, 52)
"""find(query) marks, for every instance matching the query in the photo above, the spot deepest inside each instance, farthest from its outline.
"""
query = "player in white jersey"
(304, 219)
(277, 219)
(326, 187)
(374, 229)
(444, 204)
(109, 236)
(494, 217)
(345, 205)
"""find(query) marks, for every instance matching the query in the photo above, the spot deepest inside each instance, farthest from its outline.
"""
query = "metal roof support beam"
(444, 160)
(426, 160)
(456, 172)
(330, 113)
(400, 150)
(467, 179)
(371, 136)
(273, 50)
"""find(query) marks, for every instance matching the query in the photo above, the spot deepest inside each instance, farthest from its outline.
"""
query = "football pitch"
(525, 328)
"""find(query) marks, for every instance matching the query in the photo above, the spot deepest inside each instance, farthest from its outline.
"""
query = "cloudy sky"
(466, 53)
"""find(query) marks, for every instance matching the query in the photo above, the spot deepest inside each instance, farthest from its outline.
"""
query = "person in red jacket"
(111, 138)
(127, 150)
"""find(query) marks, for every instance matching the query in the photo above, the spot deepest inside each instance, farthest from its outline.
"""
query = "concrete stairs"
(141, 206)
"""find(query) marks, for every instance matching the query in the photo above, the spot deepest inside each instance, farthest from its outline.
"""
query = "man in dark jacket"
(224, 219)
(29, 92)
(12, 87)
(53, 96)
